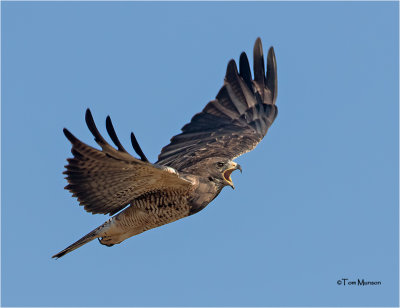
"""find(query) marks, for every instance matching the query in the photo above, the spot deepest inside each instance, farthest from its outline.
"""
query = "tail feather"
(84, 240)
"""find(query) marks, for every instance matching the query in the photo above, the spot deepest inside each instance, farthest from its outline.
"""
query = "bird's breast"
(202, 195)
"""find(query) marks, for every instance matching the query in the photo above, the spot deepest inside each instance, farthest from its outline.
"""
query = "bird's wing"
(108, 180)
(236, 121)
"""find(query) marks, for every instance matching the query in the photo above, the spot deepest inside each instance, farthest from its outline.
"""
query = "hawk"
(190, 172)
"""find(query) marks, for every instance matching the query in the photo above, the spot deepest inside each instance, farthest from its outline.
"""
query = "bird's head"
(220, 170)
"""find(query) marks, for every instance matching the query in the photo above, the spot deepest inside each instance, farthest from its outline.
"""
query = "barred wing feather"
(106, 181)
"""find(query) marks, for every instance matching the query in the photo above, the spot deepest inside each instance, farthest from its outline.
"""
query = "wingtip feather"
(93, 129)
(137, 148)
(69, 136)
(111, 132)
(231, 70)
(272, 79)
(88, 116)
(90, 123)
(245, 71)
(258, 58)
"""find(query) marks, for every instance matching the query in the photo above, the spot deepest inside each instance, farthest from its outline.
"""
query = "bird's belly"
(144, 214)
(134, 221)
(147, 214)
(165, 215)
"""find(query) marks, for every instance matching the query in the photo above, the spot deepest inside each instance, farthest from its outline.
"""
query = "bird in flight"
(190, 172)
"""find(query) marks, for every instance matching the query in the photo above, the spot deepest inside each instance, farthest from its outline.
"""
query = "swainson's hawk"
(190, 172)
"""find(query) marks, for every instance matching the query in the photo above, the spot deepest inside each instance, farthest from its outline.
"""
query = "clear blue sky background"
(317, 200)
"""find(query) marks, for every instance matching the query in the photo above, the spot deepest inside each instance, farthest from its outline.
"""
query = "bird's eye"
(220, 164)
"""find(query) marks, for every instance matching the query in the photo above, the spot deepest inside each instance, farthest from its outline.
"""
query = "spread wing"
(108, 180)
(236, 121)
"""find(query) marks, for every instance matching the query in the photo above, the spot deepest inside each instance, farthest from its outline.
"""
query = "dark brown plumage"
(190, 171)
(235, 122)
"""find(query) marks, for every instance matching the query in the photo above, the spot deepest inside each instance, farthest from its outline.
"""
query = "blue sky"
(317, 200)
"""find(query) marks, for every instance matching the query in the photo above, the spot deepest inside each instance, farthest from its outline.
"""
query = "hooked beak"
(228, 172)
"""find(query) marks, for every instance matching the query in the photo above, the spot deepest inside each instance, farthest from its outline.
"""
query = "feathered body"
(191, 171)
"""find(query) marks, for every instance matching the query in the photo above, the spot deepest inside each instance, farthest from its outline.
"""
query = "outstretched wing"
(236, 121)
(108, 180)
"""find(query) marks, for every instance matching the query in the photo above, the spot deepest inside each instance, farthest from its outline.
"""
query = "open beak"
(228, 172)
